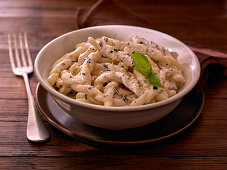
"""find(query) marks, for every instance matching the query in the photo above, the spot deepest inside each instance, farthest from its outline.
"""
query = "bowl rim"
(69, 100)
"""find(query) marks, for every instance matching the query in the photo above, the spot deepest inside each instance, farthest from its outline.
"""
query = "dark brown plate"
(175, 122)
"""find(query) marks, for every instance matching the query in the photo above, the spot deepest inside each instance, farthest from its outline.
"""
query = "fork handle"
(36, 130)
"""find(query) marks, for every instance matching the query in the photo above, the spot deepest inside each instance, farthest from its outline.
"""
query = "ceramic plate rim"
(88, 140)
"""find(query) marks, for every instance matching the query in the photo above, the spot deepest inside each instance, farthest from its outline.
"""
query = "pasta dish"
(102, 71)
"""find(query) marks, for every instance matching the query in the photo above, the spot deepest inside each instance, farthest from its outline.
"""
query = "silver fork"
(22, 66)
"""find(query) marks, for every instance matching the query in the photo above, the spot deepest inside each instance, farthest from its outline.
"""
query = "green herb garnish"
(143, 65)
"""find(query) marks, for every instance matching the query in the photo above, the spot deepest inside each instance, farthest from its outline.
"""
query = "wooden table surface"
(203, 23)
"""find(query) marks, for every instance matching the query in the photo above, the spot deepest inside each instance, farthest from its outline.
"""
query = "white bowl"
(115, 118)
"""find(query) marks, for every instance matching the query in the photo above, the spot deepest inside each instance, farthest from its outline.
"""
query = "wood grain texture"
(204, 146)
(114, 163)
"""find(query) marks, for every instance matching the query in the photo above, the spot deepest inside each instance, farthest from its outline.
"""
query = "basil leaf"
(141, 63)
(154, 80)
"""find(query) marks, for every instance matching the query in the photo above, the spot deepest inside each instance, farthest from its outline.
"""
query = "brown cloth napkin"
(108, 12)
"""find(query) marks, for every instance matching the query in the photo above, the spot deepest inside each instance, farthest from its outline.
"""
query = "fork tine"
(22, 51)
(16, 51)
(27, 49)
(11, 53)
